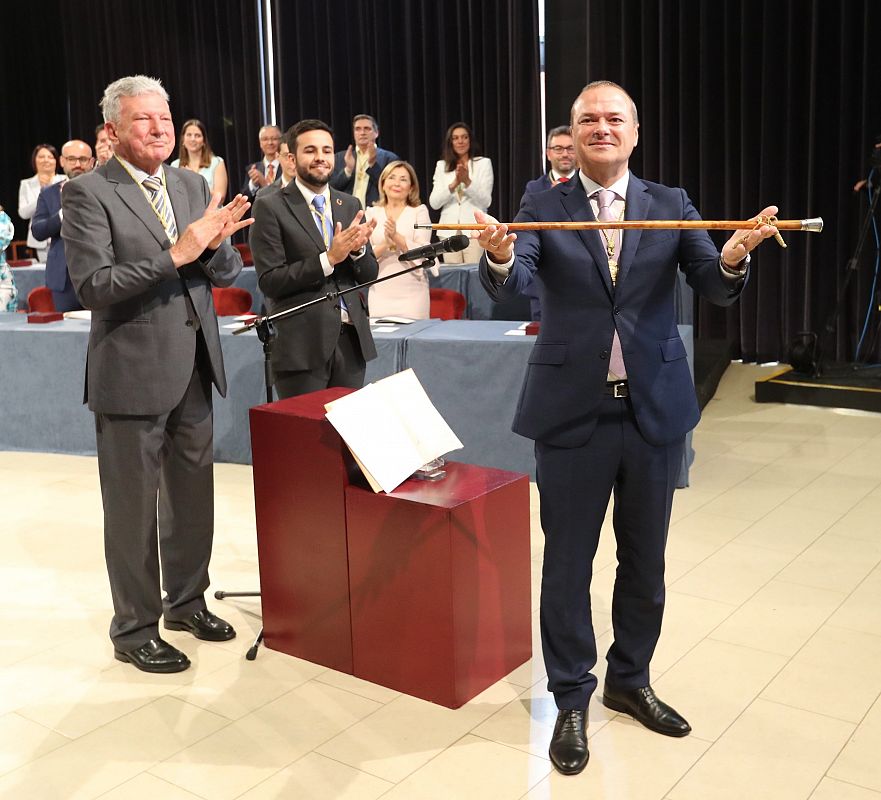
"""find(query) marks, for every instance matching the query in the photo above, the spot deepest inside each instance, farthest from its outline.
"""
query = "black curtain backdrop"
(33, 94)
(746, 104)
(417, 66)
(205, 54)
(63, 54)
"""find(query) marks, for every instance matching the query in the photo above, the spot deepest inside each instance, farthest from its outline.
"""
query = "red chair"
(19, 250)
(40, 299)
(20, 262)
(446, 304)
(245, 250)
(231, 301)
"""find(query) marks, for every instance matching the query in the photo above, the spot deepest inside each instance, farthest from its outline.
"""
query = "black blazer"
(287, 245)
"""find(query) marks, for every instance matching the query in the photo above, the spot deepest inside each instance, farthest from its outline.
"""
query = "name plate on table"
(39, 317)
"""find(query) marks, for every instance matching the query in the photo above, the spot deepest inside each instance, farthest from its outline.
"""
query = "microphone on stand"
(451, 245)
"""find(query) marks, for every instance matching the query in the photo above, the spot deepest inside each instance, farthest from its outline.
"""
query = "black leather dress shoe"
(644, 706)
(203, 625)
(157, 655)
(568, 750)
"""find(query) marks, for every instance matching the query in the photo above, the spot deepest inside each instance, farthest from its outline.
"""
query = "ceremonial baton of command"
(814, 225)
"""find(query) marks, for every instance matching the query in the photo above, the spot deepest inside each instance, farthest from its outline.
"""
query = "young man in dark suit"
(308, 240)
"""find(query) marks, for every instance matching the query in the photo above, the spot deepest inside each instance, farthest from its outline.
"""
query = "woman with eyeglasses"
(44, 163)
(463, 184)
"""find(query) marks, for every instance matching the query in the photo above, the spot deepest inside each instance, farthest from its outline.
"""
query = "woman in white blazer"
(463, 184)
(44, 162)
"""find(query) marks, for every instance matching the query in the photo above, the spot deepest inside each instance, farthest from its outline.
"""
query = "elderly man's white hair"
(131, 86)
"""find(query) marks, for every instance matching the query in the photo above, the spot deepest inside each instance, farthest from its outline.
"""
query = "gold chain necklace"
(172, 238)
(610, 240)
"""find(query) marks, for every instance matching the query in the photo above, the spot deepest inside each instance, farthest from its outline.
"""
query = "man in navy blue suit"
(560, 152)
(356, 169)
(608, 399)
(76, 158)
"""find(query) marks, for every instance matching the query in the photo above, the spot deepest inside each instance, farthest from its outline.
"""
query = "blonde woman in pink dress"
(396, 211)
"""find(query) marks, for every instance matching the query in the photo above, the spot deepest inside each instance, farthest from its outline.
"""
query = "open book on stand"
(392, 429)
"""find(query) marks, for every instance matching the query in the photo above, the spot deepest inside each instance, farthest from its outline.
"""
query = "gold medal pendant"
(613, 270)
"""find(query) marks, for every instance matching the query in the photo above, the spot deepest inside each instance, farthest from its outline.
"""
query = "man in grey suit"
(309, 240)
(144, 245)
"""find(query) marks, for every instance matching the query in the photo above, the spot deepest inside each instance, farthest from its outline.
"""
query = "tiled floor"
(771, 647)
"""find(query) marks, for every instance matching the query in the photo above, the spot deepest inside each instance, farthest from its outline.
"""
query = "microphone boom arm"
(329, 297)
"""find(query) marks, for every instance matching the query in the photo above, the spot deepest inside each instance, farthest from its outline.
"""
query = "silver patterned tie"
(153, 185)
(612, 246)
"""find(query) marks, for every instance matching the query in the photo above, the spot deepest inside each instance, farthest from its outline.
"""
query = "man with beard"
(309, 240)
(560, 153)
(76, 158)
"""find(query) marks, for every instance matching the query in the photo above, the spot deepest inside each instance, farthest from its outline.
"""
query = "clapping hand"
(351, 239)
(208, 232)
(349, 159)
(256, 176)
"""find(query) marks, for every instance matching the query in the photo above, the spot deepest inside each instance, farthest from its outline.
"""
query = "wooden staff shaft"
(812, 225)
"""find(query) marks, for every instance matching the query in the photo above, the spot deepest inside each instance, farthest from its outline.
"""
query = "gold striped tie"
(159, 198)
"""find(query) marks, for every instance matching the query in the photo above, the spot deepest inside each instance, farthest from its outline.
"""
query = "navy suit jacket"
(338, 179)
(47, 225)
(581, 310)
(539, 184)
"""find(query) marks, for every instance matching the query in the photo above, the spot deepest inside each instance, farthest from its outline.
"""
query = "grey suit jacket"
(142, 343)
(287, 245)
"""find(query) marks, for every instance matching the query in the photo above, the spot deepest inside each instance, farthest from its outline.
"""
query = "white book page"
(392, 428)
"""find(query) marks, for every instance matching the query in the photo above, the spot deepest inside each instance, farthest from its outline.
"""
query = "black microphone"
(451, 245)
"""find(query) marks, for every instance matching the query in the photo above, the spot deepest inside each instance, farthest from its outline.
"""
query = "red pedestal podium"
(425, 590)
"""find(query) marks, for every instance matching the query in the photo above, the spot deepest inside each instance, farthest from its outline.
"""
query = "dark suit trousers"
(157, 475)
(346, 367)
(575, 485)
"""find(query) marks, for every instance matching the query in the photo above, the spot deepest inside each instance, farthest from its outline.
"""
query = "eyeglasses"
(559, 149)
(77, 159)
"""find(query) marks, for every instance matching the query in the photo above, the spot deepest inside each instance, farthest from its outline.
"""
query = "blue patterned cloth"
(8, 292)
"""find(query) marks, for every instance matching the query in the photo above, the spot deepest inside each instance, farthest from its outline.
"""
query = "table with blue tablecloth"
(471, 370)
(43, 375)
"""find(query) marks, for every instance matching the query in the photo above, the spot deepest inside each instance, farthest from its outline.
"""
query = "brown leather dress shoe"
(157, 655)
(644, 706)
(203, 625)
(568, 750)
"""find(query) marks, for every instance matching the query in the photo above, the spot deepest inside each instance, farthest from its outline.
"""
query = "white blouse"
(459, 207)
(28, 192)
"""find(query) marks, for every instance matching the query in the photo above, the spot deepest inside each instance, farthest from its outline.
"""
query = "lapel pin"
(339, 202)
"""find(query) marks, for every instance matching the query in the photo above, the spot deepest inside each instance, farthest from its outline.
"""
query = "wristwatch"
(742, 266)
